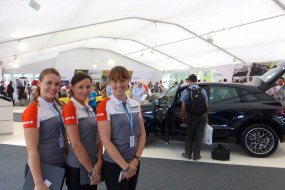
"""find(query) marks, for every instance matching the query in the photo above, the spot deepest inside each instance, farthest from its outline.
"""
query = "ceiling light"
(35, 5)
(15, 65)
(94, 66)
(21, 45)
(111, 62)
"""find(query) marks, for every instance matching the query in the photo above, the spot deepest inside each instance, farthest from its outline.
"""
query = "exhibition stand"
(6, 117)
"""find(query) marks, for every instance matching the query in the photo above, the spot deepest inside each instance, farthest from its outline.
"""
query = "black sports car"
(238, 113)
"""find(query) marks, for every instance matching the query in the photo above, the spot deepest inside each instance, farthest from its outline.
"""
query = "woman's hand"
(131, 172)
(41, 186)
(96, 176)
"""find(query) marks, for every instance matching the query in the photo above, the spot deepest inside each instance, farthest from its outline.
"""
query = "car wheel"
(259, 140)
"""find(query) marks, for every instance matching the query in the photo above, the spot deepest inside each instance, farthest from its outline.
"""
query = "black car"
(238, 113)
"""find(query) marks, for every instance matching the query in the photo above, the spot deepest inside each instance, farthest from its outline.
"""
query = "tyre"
(259, 140)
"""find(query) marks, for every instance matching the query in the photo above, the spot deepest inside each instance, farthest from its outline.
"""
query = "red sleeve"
(69, 114)
(30, 116)
(102, 114)
(146, 88)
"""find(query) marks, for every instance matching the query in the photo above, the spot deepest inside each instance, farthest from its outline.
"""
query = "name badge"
(61, 142)
(118, 108)
(132, 141)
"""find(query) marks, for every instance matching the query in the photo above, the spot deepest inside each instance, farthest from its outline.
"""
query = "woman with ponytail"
(43, 127)
(84, 160)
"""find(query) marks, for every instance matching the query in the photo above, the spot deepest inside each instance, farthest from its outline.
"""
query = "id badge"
(61, 142)
(132, 141)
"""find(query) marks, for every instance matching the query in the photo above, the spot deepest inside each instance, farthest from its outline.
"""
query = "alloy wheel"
(259, 141)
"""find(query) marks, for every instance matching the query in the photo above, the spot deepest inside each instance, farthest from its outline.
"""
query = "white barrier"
(6, 117)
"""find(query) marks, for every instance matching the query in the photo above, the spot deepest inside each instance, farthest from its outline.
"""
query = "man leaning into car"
(196, 122)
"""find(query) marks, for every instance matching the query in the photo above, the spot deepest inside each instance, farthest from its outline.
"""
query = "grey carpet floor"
(163, 174)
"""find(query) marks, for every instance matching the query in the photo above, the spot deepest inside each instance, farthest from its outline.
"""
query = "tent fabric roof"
(163, 34)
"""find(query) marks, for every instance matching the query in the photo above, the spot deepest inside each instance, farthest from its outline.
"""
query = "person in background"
(98, 87)
(84, 160)
(103, 90)
(145, 86)
(272, 91)
(3, 90)
(150, 85)
(63, 91)
(92, 99)
(22, 96)
(128, 92)
(122, 132)
(196, 122)
(280, 90)
(10, 92)
(43, 128)
(161, 87)
(156, 87)
(132, 85)
(29, 91)
(109, 90)
(160, 84)
(138, 91)
(33, 92)
(186, 81)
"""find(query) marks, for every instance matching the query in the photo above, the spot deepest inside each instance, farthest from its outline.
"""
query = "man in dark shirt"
(10, 91)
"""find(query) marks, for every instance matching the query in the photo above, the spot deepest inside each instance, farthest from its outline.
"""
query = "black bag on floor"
(221, 153)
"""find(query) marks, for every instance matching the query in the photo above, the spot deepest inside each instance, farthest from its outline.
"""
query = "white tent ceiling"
(163, 34)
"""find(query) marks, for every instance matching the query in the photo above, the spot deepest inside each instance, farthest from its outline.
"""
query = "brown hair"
(41, 77)
(77, 77)
(119, 72)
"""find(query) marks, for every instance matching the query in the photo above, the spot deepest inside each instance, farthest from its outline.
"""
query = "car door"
(226, 106)
(163, 113)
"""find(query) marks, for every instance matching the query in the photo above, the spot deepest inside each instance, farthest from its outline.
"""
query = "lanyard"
(56, 113)
(130, 118)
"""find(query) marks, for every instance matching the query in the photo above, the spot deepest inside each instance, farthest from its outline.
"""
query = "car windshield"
(170, 94)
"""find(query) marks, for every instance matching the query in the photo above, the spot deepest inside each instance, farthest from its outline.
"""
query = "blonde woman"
(43, 127)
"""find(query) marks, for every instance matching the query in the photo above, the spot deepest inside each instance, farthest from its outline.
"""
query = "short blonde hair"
(141, 81)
